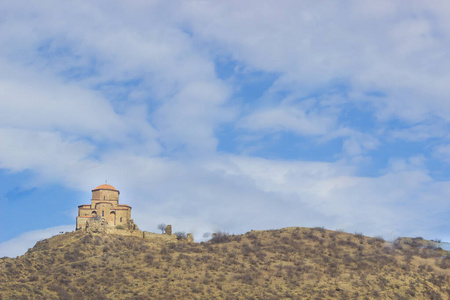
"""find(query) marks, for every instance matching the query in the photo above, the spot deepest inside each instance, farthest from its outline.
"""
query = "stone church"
(105, 209)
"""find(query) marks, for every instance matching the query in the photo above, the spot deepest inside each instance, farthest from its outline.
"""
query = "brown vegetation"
(290, 263)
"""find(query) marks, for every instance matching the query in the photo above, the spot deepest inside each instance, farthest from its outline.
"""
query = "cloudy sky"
(226, 115)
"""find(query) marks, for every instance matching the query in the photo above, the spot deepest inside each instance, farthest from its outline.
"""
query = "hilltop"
(290, 263)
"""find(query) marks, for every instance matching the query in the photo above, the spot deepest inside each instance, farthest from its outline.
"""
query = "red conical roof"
(105, 187)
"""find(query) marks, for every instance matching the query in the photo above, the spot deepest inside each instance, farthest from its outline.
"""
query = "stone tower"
(104, 209)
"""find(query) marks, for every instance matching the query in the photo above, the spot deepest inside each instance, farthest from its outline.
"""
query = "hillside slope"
(290, 263)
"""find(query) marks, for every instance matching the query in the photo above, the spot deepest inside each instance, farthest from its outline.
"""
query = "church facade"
(104, 209)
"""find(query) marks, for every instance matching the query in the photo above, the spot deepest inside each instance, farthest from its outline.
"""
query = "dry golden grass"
(290, 263)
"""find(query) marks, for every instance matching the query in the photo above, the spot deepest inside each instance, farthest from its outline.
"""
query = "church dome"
(105, 187)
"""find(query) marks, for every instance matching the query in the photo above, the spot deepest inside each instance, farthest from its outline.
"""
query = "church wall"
(81, 222)
(103, 210)
(122, 216)
(128, 212)
(105, 195)
(94, 202)
(85, 210)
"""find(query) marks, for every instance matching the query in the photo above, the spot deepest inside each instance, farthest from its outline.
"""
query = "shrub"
(319, 229)
(347, 242)
(378, 239)
(79, 265)
(252, 236)
(443, 263)
(181, 235)
(247, 278)
(261, 255)
(359, 235)
(246, 250)
(121, 227)
(87, 239)
(149, 259)
(74, 256)
(220, 237)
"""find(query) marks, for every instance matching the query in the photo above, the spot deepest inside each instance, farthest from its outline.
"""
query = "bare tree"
(162, 227)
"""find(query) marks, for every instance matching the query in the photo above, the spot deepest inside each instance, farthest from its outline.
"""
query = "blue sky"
(226, 116)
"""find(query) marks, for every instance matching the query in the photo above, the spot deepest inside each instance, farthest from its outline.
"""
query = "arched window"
(104, 197)
(103, 213)
(120, 219)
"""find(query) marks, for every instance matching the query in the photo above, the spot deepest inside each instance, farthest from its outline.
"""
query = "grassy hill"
(290, 263)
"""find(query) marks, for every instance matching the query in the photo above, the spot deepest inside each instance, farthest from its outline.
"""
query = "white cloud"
(130, 92)
(237, 194)
(286, 118)
(190, 117)
(336, 197)
(443, 153)
(44, 152)
(357, 143)
(112, 46)
(29, 100)
(400, 53)
(19, 245)
(420, 132)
